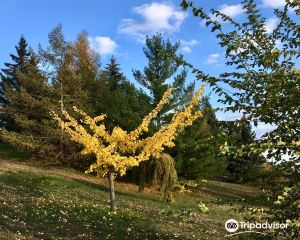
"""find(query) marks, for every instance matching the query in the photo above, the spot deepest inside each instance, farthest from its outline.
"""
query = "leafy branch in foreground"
(265, 83)
(264, 86)
(119, 150)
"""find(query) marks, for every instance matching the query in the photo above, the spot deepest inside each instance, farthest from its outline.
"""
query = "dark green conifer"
(9, 81)
(114, 73)
(162, 66)
(29, 108)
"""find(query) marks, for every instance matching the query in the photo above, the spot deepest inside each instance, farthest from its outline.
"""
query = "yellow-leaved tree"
(118, 150)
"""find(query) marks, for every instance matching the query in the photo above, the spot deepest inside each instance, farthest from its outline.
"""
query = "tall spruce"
(162, 66)
(129, 106)
(9, 81)
(197, 148)
(114, 73)
(29, 108)
(243, 167)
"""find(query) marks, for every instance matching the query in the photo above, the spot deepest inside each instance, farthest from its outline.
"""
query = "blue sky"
(119, 28)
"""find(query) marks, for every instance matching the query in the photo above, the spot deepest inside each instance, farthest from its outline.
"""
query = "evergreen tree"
(162, 66)
(129, 104)
(114, 73)
(9, 80)
(29, 108)
(241, 167)
(197, 148)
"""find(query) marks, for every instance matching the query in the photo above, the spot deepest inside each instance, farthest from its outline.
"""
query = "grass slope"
(42, 203)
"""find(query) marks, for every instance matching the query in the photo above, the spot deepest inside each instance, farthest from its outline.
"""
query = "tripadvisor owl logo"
(231, 225)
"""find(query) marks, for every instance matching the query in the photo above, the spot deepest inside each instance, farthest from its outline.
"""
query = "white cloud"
(229, 10)
(186, 49)
(274, 3)
(271, 24)
(156, 17)
(103, 45)
(212, 58)
(232, 10)
(187, 45)
(190, 43)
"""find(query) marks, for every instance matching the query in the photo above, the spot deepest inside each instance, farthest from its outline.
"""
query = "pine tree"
(129, 104)
(9, 80)
(114, 73)
(29, 108)
(162, 66)
(244, 167)
(128, 108)
(197, 148)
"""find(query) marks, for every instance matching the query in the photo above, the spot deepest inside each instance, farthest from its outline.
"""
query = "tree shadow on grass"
(132, 195)
(22, 183)
(28, 210)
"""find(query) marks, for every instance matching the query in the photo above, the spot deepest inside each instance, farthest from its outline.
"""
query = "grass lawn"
(54, 203)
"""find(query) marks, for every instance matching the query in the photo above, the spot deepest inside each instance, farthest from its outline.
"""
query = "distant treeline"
(69, 73)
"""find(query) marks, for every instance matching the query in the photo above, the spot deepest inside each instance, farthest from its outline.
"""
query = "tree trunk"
(142, 177)
(61, 145)
(112, 192)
